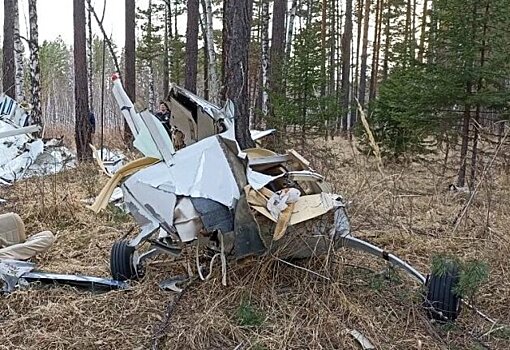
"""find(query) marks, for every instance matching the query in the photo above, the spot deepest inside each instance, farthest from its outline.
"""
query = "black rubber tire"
(441, 302)
(121, 262)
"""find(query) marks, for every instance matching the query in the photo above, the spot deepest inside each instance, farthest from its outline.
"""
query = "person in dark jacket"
(92, 122)
(164, 115)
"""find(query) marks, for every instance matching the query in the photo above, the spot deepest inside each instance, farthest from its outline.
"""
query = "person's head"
(163, 108)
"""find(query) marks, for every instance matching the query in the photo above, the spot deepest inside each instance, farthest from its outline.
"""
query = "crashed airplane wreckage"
(21, 154)
(233, 203)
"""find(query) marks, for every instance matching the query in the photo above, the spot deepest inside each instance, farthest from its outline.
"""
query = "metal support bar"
(20, 131)
(358, 244)
(146, 232)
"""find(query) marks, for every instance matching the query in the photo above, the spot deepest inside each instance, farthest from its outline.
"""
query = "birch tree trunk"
(152, 90)
(203, 25)
(213, 76)
(18, 56)
(290, 27)
(35, 76)
(129, 60)
(265, 55)
(9, 65)
(90, 55)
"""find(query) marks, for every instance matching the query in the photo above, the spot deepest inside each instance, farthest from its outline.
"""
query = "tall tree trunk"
(83, 135)
(224, 52)
(423, 27)
(277, 54)
(35, 78)
(332, 47)
(211, 69)
(265, 55)
(237, 17)
(130, 65)
(166, 48)
(364, 55)
(461, 179)
(9, 65)
(359, 25)
(150, 60)
(205, 53)
(375, 50)
(290, 27)
(190, 82)
(476, 135)
(408, 28)
(18, 56)
(387, 43)
(324, 23)
(90, 56)
(346, 63)
(176, 64)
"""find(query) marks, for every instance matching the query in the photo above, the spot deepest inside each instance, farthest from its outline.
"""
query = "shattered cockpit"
(213, 195)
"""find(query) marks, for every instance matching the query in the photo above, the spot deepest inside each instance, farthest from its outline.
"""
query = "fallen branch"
(371, 139)
(161, 332)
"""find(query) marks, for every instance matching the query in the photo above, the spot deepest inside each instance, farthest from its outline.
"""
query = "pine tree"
(83, 134)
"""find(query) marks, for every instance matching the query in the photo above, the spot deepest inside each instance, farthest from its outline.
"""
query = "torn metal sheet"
(20, 131)
(126, 106)
(258, 180)
(15, 273)
(212, 110)
(200, 170)
(11, 271)
(258, 134)
(160, 136)
(363, 341)
(111, 160)
(10, 110)
(173, 283)
(88, 282)
(22, 156)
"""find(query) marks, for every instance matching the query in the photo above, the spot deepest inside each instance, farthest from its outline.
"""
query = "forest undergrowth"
(406, 208)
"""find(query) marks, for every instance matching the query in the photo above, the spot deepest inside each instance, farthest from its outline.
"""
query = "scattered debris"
(111, 160)
(362, 340)
(15, 274)
(172, 283)
(22, 156)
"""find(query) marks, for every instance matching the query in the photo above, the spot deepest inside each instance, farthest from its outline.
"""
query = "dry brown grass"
(267, 304)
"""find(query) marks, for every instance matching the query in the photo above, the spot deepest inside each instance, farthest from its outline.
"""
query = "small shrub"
(472, 274)
(248, 315)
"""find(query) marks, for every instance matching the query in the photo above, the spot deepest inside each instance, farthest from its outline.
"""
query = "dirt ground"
(407, 209)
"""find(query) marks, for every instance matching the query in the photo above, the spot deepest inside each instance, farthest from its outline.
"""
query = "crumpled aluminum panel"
(200, 170)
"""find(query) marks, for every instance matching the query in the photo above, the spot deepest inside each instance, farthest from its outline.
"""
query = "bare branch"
(108, 40)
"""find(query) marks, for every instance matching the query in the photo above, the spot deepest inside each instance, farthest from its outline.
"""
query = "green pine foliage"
(466, 66)
(303, 104)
